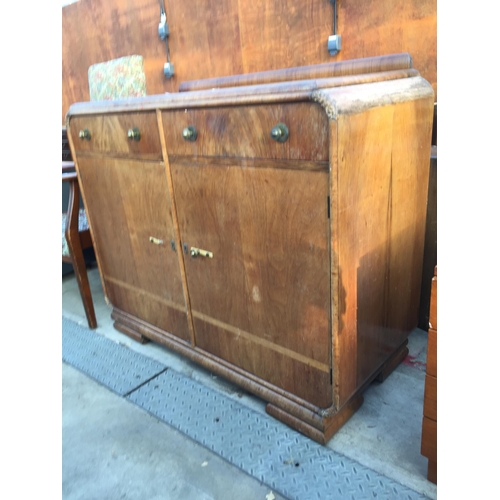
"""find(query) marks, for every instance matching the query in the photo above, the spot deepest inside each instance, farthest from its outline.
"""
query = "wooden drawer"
(429, 438)
(109, 134)
(432, 353)
(430, 397)
(245, 132)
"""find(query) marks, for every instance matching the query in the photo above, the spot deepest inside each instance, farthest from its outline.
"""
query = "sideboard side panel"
(383, 169)
(336, 276)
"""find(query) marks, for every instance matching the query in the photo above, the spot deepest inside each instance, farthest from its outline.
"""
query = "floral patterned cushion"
(82, 226)
(117, 79)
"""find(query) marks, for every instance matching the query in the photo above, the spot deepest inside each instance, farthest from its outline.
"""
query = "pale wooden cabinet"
(271, 233)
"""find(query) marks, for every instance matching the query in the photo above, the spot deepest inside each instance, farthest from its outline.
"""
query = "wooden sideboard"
(272, 233)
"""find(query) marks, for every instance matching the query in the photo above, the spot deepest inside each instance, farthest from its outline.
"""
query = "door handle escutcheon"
(156, 241)
(204, 253)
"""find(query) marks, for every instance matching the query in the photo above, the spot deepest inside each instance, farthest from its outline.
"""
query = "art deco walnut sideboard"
(272, 233)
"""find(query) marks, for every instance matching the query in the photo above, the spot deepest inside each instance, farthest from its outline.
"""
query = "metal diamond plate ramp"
(285, 460)
(263, 447)
(113, 365)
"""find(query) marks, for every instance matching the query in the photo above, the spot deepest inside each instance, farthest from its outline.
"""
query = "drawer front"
(245, 132)
(429, 438)
(430, 397)
(110, 134)
(432, 353)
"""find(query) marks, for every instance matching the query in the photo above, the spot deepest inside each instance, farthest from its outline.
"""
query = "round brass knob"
(280, 132)
(134, 134)
(84, 134)
(189, 133)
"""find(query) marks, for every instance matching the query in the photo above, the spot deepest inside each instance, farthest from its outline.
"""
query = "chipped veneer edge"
(358, 98)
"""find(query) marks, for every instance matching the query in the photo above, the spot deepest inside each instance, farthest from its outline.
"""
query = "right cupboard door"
(262, 301)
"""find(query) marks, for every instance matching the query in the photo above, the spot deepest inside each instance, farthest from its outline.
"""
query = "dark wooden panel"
(268, 231)
(108, 134)
(381, 219)
(244, 131)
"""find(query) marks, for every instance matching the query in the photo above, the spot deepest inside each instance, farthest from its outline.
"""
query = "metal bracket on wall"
(334, 41)
(164, 33)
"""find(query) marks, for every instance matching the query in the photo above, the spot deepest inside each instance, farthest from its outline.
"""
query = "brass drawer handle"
(189, 133)
(156, 241)
(204, 253)
(84, 135)
(280, 132)
(134, 134)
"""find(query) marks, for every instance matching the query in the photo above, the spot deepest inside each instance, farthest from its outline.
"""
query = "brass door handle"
(204, 253)
(134, 134)
(156, 241)
(84, 134)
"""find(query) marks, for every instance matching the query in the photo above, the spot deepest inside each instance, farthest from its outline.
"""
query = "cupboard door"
(128, 203)
(262, 302)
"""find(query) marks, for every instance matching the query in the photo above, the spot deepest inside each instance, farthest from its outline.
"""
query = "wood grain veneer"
(234, 37)
(317, 243)
(364, 66)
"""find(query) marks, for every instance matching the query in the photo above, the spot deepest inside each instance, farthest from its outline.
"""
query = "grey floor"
(113, 449)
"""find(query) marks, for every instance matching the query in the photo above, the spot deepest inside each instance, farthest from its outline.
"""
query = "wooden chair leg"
(83, 284)
(73, 238)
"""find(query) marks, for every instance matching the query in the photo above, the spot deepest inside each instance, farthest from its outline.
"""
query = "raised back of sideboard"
(231, 37)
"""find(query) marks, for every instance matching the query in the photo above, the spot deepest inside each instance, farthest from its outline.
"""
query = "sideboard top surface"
(338, 95)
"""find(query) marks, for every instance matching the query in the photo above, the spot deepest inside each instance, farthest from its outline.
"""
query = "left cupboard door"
(130, 211)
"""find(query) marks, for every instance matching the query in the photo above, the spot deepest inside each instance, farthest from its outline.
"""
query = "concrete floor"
(105, 455)
(112, 449)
